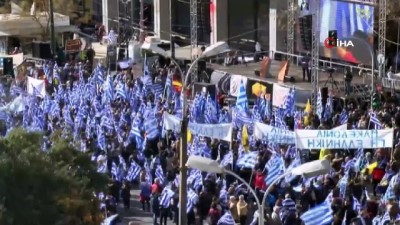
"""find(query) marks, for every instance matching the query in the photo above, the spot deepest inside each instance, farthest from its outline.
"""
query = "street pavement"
(135, 214)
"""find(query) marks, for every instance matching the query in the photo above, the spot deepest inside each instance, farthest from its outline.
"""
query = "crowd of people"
(118, 119)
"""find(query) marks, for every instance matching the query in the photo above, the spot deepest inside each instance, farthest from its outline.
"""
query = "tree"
(47, 188)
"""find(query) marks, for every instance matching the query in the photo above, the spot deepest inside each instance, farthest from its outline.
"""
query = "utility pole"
(141, 24)
(52, 32)
(171, 36)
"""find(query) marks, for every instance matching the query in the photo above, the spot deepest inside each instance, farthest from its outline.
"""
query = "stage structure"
(315, 42)
(382, 31)
(193, 36)
(292, 7)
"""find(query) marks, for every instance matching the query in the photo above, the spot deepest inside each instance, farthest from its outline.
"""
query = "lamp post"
(212, 50)
(212, 166)
(310, 169)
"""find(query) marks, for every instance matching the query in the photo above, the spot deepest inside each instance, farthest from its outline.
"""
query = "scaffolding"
(193, 36)
(290, 28)
(382, 31)
(315, 44)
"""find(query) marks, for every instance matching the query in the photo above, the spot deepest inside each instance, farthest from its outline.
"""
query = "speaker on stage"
(41, 50)
(201, 66)
(289, 79)
(305, 25)
(8, 68)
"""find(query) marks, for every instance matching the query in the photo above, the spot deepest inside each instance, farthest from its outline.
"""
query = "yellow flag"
(245, 138)
(370, 167)
(308, 107)
(323, 153)
(189, 135)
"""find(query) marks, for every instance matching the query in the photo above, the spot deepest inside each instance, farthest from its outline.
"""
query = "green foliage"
(46, 188)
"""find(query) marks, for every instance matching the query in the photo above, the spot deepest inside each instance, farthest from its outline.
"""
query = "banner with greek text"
(172, 122)
(280, 136)
(344, 139)
(217, 131)
(273, 134)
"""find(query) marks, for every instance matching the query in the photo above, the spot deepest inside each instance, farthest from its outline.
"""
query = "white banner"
(36, 87)
(217, 131)
(341, 127)
(273, 134)
(344, 139)
(279, 95)
(172, 122)
(235, 84)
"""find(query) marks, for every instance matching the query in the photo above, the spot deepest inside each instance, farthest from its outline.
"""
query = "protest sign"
(217, 131)
(344, 139)
(36, 87)
(273, 134)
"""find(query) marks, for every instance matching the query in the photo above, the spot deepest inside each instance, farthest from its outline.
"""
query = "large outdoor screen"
(354, 24)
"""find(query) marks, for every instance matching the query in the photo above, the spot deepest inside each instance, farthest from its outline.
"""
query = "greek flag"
(241, 101)
(274, 167)
(166, 196)
(319, 215)
(133, 172)
(247, 160)
(151, 128)
(226, 219)
(343, 117)
(160, 174)
(375, 121)
(319, 104)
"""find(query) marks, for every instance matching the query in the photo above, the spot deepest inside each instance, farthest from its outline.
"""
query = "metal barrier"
(392, 84)
(325, 63)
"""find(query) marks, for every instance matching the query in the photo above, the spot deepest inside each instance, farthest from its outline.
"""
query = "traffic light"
(375, 100)
(332, 37)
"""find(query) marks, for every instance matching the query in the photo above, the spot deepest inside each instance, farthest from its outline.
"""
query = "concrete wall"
(162, 18)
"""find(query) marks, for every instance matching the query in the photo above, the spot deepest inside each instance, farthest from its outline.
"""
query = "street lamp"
(212, 50)
(212, 166)
(307, 170)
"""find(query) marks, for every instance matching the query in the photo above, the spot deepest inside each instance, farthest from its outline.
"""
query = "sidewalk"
(135, 214)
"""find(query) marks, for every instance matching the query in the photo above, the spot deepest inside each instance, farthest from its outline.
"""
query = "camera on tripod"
(330, 70)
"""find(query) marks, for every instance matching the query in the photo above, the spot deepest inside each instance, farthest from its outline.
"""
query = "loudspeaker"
(8, 68)
(41, 50)
(289, 79)
(201, 66)
(210, 88)
(305, 25)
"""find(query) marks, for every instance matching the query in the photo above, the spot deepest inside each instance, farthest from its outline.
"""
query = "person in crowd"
(145, 193)
(348, 78)
(157, 186)
(164, 213)
(155, 206)
(242, 209)
(214, 214)
(233, 208)
(126, 195)
(305, 65)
